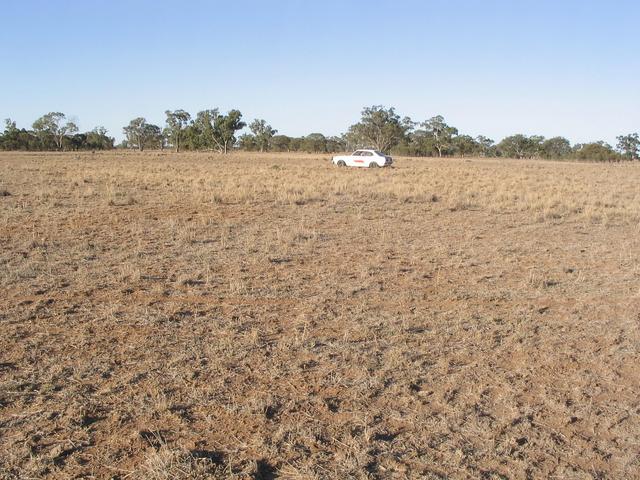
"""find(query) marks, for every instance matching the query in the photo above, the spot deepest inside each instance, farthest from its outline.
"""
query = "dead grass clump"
(165, 463)
(121, 200)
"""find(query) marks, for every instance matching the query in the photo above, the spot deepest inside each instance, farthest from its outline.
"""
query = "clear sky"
(492, 67)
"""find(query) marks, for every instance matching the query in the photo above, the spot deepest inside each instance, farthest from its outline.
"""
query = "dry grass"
(263, 316)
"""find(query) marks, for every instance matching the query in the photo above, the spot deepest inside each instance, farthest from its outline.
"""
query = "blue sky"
(492, 67)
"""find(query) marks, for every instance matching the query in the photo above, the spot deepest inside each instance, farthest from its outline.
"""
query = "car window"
(367, 154)
(357, 153)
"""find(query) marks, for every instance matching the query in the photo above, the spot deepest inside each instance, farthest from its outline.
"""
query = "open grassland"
(271, 316)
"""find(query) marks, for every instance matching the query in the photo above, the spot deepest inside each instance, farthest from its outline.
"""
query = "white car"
(363, 158)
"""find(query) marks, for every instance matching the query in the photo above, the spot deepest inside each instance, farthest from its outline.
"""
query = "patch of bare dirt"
(197, 316)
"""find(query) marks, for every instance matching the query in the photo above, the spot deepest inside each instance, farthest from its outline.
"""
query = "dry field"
(271, 316)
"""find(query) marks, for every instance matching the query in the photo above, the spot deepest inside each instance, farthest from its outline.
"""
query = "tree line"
(53, 132)
(379, 127)
(385, 130)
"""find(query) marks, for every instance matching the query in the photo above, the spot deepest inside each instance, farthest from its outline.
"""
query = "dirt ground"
(272, 316)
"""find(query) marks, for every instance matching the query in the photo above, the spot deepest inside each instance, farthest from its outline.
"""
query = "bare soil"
(273, 316)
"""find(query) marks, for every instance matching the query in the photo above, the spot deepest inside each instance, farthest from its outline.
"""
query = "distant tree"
(440, 133)
(226, 128)
(380, 128)
(200, 134)
(335, 144)
(315, 143)
(263, 133)
(556, 148)
(213, 130)
(352, 139)
(134, 132)
(55, 126)
(514, 146)
(154, 136)
(520, 146)
(76, 142)
(9, 126)
(465, 145)
(177, 121)
(296, 144)
(629, 146)
(281, 143)
(596, 151)
(97, 139)
(486, 146)
(535, 145)
(14, 138)
(248, 142)
(140, 134)
(418, 143)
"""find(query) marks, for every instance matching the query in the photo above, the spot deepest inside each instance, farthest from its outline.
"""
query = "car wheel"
(341, 163)
(373, 165)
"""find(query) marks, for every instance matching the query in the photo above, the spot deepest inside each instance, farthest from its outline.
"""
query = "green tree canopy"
(440, 134)
(629, 146)
(486, 146)
(379, 128)
(315, 143)
(596, 151)
(465, 145)
(555, 148)
(281, 143)
(140, 134)
(520, 146)
(226, 128)
(55, 126)
(263, 132)
(177, 121)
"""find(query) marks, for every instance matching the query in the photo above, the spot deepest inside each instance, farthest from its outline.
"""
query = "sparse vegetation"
(263, 315)
(379, 127)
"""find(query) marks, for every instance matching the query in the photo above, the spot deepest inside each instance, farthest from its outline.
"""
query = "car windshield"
(380, 153)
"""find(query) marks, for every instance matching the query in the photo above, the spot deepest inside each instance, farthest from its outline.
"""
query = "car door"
(367, 157)
(357, 160)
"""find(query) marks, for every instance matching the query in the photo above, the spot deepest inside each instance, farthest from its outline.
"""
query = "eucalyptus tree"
(202, 129)
(177, 121)
(55, 126)
(520, 146)
(226, 128)
(556, 147)
(596, 151)
(486, 146)
(315, 143)
(440, 133)
(96, 139)
(629, 146)
(140, 134)
(380, 128)
(465, 145)
(281, 143)
(263, 132)
(14, 138)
